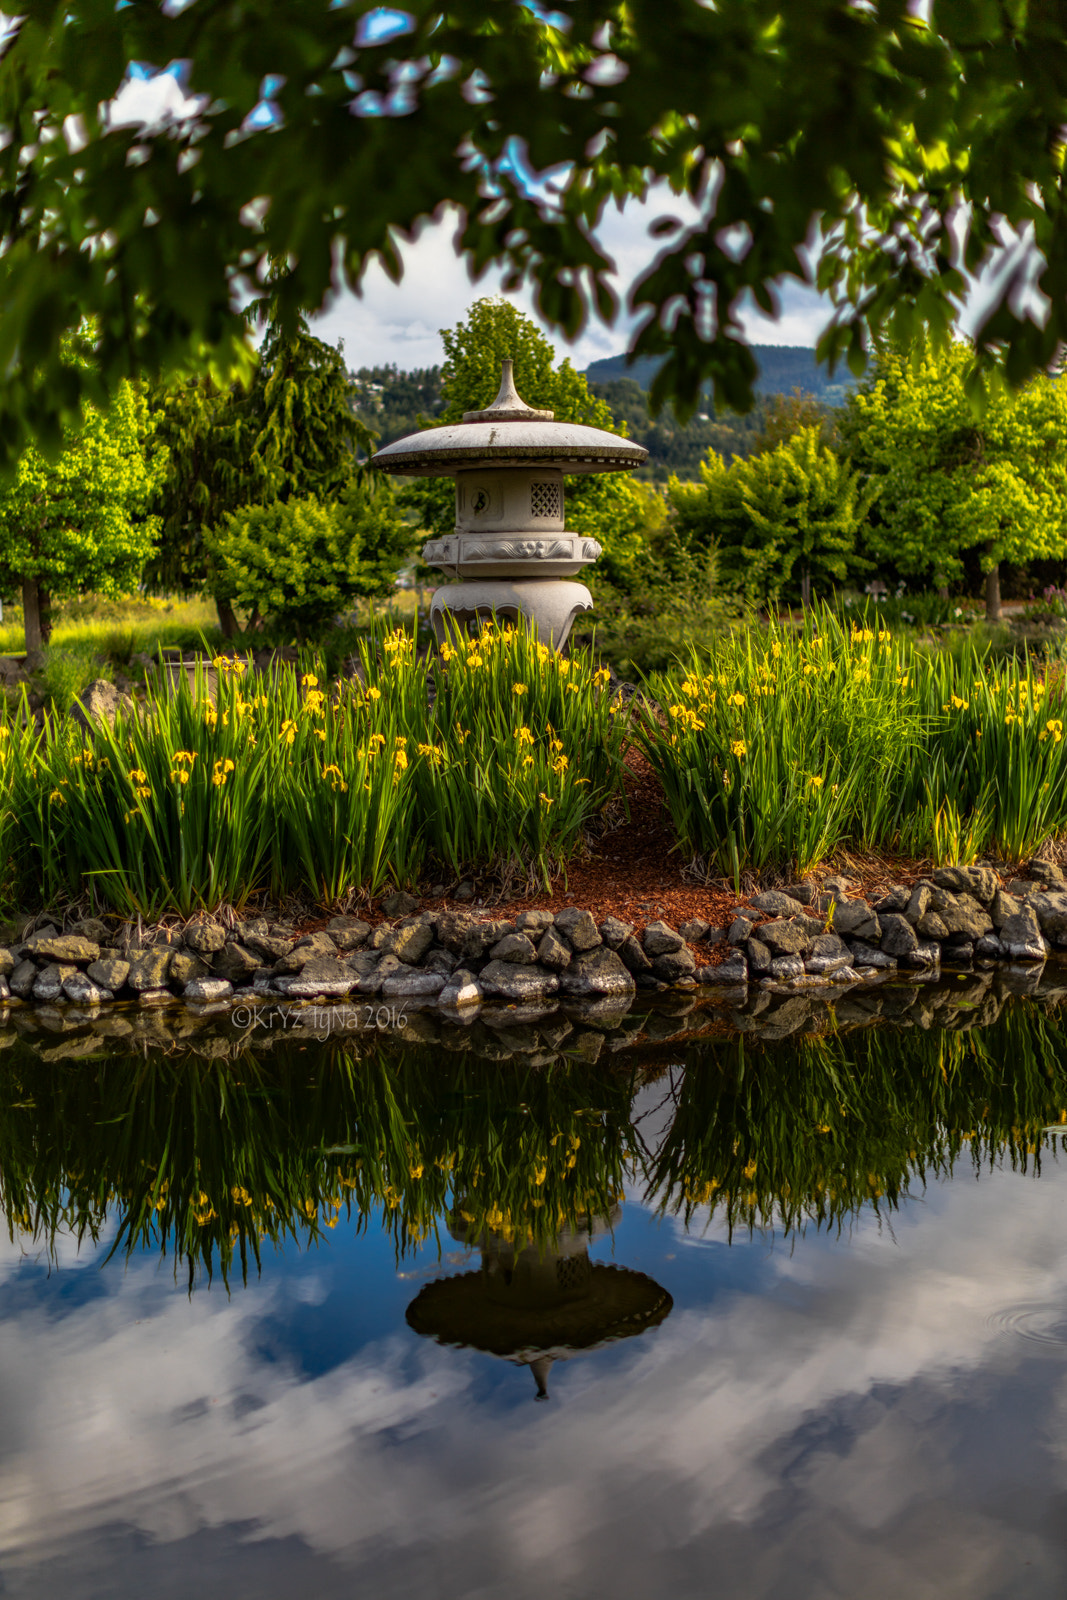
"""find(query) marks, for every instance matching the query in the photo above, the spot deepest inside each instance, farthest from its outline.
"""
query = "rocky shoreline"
(786, 941)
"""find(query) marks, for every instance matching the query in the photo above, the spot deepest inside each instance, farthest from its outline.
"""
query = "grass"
(117, 629)
(275, 784)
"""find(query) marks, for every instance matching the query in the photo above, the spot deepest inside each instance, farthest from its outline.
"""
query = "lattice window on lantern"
(546, 500)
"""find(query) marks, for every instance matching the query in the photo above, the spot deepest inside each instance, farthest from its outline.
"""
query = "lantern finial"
(509, 406)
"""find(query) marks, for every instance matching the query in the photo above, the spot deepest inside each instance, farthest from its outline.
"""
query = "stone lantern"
(510, 549)
(535, 1307)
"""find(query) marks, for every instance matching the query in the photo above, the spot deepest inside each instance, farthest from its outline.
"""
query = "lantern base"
(548, 605)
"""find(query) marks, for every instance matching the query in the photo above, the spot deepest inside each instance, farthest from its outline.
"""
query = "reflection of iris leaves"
(210, 1159)
(808, 1134)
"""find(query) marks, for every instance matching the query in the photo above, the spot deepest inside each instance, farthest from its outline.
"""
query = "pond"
(714, 1313)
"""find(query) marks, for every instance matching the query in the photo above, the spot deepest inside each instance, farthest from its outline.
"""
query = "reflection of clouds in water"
(840, 1433)
(64, 1251)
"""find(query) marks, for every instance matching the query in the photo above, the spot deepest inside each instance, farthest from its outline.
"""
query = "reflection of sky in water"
(843, 1416)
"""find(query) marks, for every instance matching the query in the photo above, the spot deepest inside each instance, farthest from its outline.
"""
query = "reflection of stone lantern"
(510, 549)
(535, 1307)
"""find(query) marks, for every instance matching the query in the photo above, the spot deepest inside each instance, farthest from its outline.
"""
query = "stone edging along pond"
(785, 941)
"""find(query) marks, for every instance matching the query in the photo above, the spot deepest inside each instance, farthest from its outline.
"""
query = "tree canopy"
(949, 481)
(81, 521)
(880, 150)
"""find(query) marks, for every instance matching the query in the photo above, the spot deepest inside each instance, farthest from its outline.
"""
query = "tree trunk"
(227, 620)
(805, 588)
(31, 611)
(992, 594)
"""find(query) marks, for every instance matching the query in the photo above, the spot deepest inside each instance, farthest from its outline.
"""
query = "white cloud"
(399, 322)
(836, 1432)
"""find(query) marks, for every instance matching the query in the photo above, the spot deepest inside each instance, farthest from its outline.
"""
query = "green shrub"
(295, 564)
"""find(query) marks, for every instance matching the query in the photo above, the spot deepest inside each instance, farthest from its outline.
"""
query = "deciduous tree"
(877, 149)
(81, 520)
(949, 480)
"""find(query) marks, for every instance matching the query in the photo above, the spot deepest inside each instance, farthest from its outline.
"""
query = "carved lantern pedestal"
(510, 550)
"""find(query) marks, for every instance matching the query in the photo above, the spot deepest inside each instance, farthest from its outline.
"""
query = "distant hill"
(782, 368)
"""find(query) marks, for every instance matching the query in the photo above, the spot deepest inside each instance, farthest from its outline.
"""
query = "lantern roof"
(509, 433)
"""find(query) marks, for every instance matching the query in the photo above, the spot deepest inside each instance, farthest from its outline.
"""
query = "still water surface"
(800, 1311)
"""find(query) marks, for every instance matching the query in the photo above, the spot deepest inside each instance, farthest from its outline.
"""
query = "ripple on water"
(1043, 1322)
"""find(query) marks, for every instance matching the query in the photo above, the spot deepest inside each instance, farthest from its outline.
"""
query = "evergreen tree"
(291, 432)
(782, 522)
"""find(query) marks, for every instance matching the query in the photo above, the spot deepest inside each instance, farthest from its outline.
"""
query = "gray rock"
(100, 702)
(315, 945)
(482, 937)
(66, 948)
(513, 982)
(348, 933)
(828, 953)
(325, 975)
(371, 980)
(930, 926)
(206, 990)
(1021, 936)
(1004, 906)
(981, 882)
(7, 963)
(838, 885)
(597, 971)
(898, 936)
(410, 941)
(740, 929)
(869, 955)
(802, 893)
(578, 928)
(22, 978)
(205, 937)
(659, 939)
(111, 972)
(786, 967)
(82, 991)
(989, 947)
(410, 982)
(514, 947)
(919, 903)
(731, 971)
(269, 947)
(533, 923)
(759, 957)
(91, 928)
(48, 984)
(896, 899)
(962, 914)
(1051, 912)
(234, 963)
(694, 931)
(925, 954)
(673, 965)
(790, 937)
(442, 961)
(5, 991)
(856, 919)
(462, 989)
(633, 956)
(399, 904)
(552, 952)
(149, 968)
(1020, 888)
(1048, 873)
(776, 904)
(613, 932)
